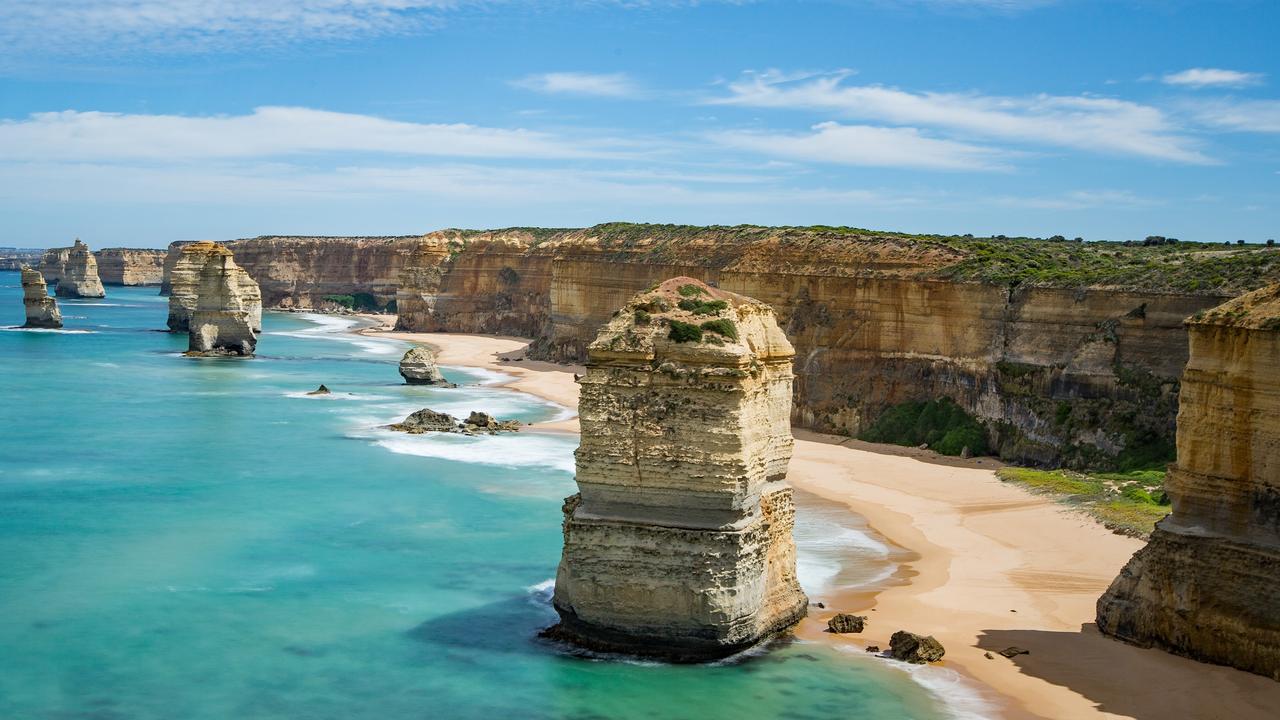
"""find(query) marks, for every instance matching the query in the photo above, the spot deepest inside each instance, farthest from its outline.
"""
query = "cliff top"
(1258, 310)
(687, 320)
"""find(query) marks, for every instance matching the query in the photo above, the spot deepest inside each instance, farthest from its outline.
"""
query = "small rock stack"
(42, 310)
(80, 275)
(679, 543)
(418, 367)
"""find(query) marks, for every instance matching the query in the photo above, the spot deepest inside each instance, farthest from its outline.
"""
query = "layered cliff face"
(227, 315)
(128, 266)
(41, 310)
(1207, 585)
(80, 274)
(298, 272)
(171, 257)
(495, 282)
(185, 283)
(679, 543)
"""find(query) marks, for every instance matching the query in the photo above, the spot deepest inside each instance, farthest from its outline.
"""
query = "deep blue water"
(196, 538)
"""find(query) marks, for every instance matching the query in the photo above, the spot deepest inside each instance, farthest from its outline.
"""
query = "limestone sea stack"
(80, 275)
(418, 367)
(1207, 585)
(227, 301)
(185, 280)
(42, 310)
(679, 543)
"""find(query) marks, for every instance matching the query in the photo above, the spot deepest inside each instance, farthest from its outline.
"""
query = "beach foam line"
(512, 451)
(338, 328)
(959, 697)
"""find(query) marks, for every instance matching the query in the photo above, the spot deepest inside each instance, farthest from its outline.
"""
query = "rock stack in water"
(185, 280)
(679, 543)
(228, 308)
(418, 367)
(80, 274)
(1207, 585)
(42, 310)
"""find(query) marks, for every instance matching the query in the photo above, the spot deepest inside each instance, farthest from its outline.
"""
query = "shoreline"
(987, 565)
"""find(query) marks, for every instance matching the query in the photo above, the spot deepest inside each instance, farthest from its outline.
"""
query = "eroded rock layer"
(1207, 585)
(299, 272)
(679, 542)
(79, 274)
(129, 266)
(186, 281)
(42, 310)
(227, 316)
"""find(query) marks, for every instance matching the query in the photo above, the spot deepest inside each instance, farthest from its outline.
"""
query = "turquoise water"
(186, 538)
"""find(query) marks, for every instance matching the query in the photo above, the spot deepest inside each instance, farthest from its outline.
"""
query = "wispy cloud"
(866, 145)
(1261, 116)
(114, 26)
(1212, 77)
(1096, 124)
(269, 132)
(611, 85)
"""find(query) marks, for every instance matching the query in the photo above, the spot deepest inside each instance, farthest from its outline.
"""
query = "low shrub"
(941, 424)
(690, 290)
(703, 307)
(722, 327)
(684, 332)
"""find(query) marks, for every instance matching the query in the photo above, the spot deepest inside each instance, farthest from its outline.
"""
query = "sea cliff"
(1208, 583)
(130, 266)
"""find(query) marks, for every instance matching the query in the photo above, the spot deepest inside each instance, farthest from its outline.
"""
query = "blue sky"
(138, 122)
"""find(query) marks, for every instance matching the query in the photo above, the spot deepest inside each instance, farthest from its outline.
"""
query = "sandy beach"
(992, 566)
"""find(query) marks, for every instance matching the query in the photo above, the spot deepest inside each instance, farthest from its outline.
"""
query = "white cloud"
(1239, 115)
(1082, 122)
(1212, 77)
(267, 132)
(613, 85)
(866, 145)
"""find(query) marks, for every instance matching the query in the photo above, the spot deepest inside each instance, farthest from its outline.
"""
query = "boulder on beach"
(846, 623)
(913, 648)
(418, 367)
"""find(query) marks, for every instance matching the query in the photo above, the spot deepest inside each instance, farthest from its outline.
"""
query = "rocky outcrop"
(842, 623)
(186, 280)
(427, 420)
(679, 542)
(129, 266)
(77, 273)
(1207, 585)
(916, 649)
(42, 310)
(418, 367)
(228, 309)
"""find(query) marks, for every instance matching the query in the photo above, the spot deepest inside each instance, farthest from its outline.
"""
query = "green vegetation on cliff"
(940, 424)
(1129, 503)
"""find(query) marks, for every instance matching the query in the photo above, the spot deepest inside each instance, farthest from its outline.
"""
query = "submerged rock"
(322, 390)
(418, 367)
(428, 420)
(917, 649)
(227, 315)
(42, 310)
(846, 623)
(80, 274)
(679, 543)
(484, 421)
(1207, 585)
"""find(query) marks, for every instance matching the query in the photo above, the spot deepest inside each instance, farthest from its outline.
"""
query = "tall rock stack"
(42, 310)
(228, 312)
(1207, 585)
(679, 543)
(80, 275)
(184, 281)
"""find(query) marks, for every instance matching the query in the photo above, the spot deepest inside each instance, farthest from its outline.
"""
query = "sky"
(140, 122)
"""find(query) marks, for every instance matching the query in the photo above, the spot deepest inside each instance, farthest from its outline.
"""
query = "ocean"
(199, 539)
